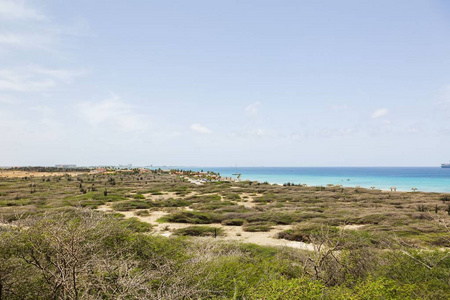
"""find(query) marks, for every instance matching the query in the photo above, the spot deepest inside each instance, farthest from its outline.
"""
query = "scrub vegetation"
(155, 235)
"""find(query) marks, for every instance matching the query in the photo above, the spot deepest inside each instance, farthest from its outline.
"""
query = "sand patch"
(194, 181)
(352, 227)
(235, 233)
(249, 197)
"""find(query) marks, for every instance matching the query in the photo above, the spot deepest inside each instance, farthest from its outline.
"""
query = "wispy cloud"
(252, 109)
(35, 79)
(11, 39)
(379, 113)
(26, 28)
(61, 75)
(200, 128)
(17, 9)
(18, 82)
(35, 39)
(113, 112)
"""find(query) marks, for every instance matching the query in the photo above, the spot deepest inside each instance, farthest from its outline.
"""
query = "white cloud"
(387, 122)
(31, 39)
(113, 112)
(379, 113)
(25, 28)
(35, 79)
(16, 9)
(65, 76)
(200, 128)
(17, 82)
(11, 39)
(252, 109)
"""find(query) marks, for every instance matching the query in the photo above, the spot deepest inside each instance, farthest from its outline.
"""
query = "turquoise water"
(427, 179)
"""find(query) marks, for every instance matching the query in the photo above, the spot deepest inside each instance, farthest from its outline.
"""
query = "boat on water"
(445, 165)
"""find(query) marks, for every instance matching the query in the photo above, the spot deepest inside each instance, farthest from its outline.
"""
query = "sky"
(225, 83)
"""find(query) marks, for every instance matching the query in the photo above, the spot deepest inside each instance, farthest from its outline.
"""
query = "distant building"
(129, 166)
(66, 166)
(98, 170)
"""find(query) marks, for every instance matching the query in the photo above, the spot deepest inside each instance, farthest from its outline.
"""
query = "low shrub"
(137, 196)
(233, 222)
(199, 231)
(204, 198)
(171, 203)
(189, 217)
(257, 227)
(232, 196)
(213, 205)
(303, 288)
(292, 235)
(130, 205)
(135, 225)
(142, 213)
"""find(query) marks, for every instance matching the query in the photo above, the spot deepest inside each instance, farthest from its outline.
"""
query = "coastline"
(357, 187)
(425, 179)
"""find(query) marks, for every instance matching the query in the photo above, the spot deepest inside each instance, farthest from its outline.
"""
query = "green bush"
(279, 289)
(142, 213)
(136, 226)
(138, 196)
(171, 203)
(191, 217)
(233, 222)
(199, 231)
(232, 196)
(204, 198)
(257, 227)
(130, 205)
(292, 235)
(232, 276)
(213, 205)
(429, 282)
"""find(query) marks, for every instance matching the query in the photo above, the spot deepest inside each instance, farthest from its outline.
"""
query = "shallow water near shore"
(426, 179)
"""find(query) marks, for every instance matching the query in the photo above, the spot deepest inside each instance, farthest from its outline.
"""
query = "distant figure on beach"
(393, 189)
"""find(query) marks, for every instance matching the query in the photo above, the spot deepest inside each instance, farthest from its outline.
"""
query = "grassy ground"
(365, 244)
(413, 216)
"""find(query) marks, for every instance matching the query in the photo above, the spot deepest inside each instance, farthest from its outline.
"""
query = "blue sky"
(224, 83)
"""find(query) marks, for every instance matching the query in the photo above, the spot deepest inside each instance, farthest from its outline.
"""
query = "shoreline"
(199, 182)
(360, 187)
(425, 179)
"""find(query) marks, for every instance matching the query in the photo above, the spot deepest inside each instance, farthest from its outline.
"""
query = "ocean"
(426, 179)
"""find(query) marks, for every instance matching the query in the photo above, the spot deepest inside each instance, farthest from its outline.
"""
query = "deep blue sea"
(427, 179)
